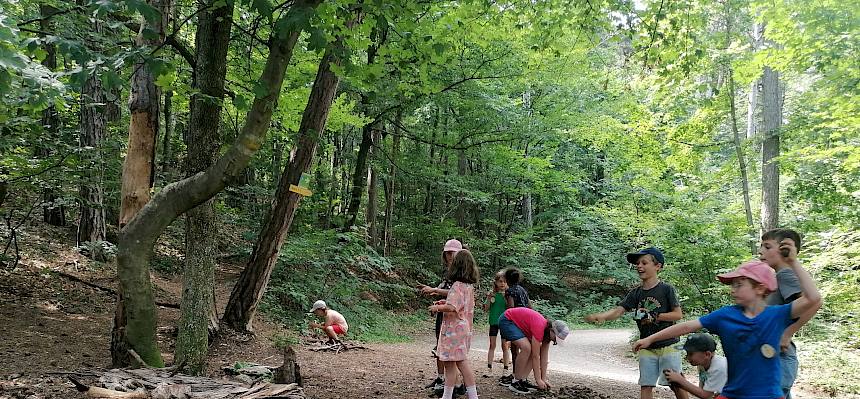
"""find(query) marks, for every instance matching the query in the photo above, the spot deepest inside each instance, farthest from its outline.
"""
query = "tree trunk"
(91, 218)
(53, 211)
(137, 178)
(771, 122)
(198, 318)
(136, 239)
(249, 289)
(752, 104)
(461, 203)
(390, 193)
(742, 164)
(372, 206)
(359, 177)
(169, 127)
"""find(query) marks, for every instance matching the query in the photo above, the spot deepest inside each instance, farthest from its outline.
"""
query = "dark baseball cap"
(700, 343)
(634, 257)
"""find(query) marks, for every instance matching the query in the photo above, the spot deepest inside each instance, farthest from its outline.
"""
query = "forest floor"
(51, 325)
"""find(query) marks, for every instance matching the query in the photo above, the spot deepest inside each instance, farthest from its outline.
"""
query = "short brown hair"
(464, 268)
(781, 234)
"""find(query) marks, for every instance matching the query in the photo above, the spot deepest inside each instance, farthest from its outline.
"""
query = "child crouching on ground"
(334, 324)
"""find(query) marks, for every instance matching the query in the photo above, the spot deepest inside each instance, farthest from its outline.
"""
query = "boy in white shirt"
(334, 324)
(713, 368)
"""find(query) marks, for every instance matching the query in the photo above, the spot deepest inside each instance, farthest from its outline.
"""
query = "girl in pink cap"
(750, 330)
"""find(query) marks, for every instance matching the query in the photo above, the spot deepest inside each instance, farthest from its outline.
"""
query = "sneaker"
(490, 366)
(459, 390)
(436, 383)
(519, 388)
(506, 380)
(529, 385)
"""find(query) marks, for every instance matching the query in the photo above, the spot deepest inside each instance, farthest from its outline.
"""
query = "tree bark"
(372, 204)
(742, 164)
(752, 104)
(390, 193)
(130, 331)
(198, 319)
(771, 122)
(137, 237)
(91, 218)
(169, 127)
(461, 203)
(249, 289)
(53, 211)
(359, 177)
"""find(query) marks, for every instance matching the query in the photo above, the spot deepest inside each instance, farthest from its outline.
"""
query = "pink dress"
(455, 339)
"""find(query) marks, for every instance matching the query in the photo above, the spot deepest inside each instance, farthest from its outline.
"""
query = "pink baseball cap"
(452, 246)
(755, 270)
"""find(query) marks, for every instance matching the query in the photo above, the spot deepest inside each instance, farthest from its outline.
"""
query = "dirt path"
(594, 353)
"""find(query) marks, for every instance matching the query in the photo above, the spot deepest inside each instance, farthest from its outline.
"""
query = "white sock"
(472, 392)
(448, 393)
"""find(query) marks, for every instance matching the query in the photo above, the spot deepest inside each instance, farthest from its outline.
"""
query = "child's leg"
(492, 351)
(468, 378)
(506, 353)
(450, 379)
(329, 331)
(514, 352)
(646, 392)
(670, 359)
(523, 358)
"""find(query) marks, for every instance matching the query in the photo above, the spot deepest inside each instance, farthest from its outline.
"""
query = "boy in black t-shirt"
(655, 306)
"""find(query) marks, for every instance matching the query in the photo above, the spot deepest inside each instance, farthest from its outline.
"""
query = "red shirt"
(532, 323)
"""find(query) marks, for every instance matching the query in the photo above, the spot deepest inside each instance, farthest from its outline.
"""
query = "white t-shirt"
(714, 378)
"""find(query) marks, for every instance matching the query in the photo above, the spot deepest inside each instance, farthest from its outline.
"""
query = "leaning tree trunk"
(91, 218)
(137, 238)
(53, 211)
(771, 122)
(198, 319)
(128, 332)
(249, 289)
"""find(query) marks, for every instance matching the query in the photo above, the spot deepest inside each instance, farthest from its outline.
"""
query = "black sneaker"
(459, 390)
(505, 381)
(529, 385)
(519, 388)
(437, 381)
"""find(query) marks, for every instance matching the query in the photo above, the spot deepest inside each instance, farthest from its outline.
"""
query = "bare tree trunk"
(53, 211)
(771, 122)
(169, 127)
(138, 237)
(91, 218)
(129, 331)
(390, 193)
(752, 104)
(359, 177)
(253, 280)
(742, 165)
(198, 318)
(461, 203)
(372, 205)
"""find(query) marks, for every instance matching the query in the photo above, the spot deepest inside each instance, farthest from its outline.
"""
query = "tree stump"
(289, 372)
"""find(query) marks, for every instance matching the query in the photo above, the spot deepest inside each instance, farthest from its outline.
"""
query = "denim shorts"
(509, 330)
(788, 362)
(652, 362)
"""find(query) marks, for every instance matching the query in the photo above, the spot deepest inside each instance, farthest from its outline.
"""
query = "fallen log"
(150, 383)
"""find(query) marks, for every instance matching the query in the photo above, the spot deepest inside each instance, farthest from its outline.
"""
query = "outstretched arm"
(672, 332)
(610, 314)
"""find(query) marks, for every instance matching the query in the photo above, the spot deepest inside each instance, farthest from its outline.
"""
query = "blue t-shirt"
(751, 375)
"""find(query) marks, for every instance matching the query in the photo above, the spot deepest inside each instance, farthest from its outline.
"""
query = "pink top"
(532, 323)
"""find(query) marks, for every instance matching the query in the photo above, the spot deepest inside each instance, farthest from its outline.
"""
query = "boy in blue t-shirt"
(751, 330)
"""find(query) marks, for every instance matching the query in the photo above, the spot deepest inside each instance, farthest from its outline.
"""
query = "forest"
(265, 154)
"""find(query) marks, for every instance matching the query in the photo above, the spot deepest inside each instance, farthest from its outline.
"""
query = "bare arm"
(544, 360)
(675, 315)
(802, 320)
(688, 386)
(811, 298)
(610, 314)
(536, 361)
(672, 332)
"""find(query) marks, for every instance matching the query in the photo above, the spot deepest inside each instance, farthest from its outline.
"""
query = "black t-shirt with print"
(519, 295)
(661, 299)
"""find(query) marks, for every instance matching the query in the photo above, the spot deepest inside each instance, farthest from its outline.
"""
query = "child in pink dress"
(455, 338)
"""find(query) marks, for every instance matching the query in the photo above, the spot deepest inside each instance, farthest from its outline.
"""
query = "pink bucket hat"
(755, 270)
(452, 246)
